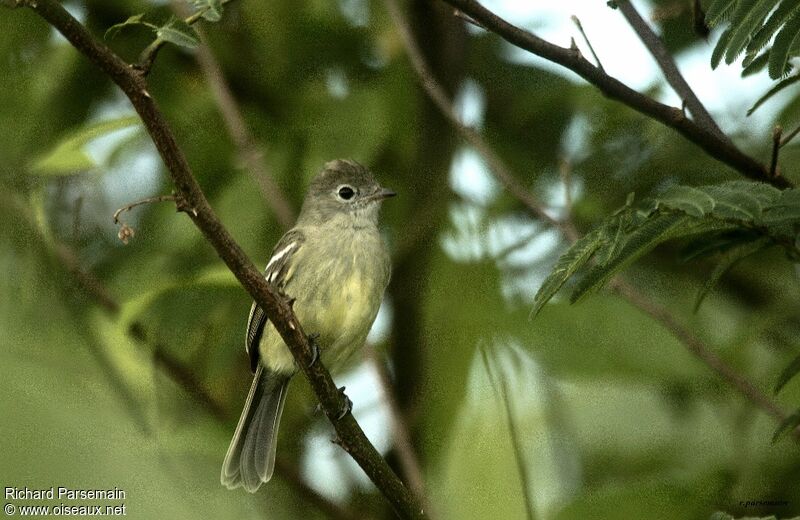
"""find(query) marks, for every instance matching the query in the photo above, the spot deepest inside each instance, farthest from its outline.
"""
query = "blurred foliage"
(733, 221)
(766, 32)
(753, 25)
(615, 417)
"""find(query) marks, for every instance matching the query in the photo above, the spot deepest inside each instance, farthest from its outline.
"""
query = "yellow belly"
(342, 317)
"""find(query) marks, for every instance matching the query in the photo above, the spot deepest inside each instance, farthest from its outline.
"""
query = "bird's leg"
(347, 408)
(312, 342)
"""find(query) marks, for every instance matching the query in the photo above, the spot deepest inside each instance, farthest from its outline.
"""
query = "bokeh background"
(123, 365)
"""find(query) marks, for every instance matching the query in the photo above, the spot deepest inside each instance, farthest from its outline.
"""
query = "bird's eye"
(346, 193)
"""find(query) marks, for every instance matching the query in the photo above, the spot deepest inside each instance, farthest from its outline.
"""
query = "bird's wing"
(278, 273)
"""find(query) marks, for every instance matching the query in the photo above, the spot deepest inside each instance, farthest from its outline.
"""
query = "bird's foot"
(346, 408)
(312, 342)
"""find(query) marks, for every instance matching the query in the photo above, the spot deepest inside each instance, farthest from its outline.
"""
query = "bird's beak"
(384, 193)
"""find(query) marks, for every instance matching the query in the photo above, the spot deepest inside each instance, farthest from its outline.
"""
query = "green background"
(615, 418)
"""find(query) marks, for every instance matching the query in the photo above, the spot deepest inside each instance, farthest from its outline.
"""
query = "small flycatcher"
(334, 263)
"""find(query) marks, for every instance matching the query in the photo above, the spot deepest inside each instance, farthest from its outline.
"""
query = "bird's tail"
(250, 460)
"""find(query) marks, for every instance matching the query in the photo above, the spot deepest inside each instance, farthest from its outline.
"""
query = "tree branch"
(659, 314)
(405, 448)
(441, 100)
(94, 288)
(720, 149)
(670, 69)
(134, 85)
(696, 347)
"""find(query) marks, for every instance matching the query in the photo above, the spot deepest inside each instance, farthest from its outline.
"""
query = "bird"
(335, 267)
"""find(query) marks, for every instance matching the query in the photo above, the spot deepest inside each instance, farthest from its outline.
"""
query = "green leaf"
(785, 210)
(774, 90)
(719, 50)
(784, 11)
(728, 260)
(748, 16)
(787, 425)
(179, 33)
(741, 200)
(641, 241)
(719, 11)
(611, 248)
(784, 42)
(735, 219)
(67, 156)
(691, 201)
(755, 65)
(136, 19)
(715, 244)
(214, 11)
(788, 373)
(573, 259)
(211, 9)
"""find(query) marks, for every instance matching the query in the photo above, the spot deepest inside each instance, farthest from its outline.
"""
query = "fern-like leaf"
(639, 242)
(784, 12)
(570, 262)
(748, 16)
(782, 84)
(735, 219)
(785, 211)
(785, 41)
(719, 11)
(756, 65)
(690, 200)
(719, 50)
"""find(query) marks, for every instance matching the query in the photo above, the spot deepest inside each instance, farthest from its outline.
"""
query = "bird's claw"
(347, 408)
(312, 342)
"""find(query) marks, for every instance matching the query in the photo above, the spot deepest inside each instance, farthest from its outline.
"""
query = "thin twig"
(717, 147)
(290, 473)
(565, 171)
(133, 84)
(142, 202)
(500, 386)
(248, 151)
(405, 448)
(458, 14)
(661, 315)
(439, 97)
(791, 135)
(126, 232)
(776, 148)
(578, 24)
(516, 245)
(667, 65)
(699, 349)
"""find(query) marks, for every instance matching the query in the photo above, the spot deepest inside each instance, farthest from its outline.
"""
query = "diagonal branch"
(661, 315)
(134, 85)
(405, 447)
(94, 288)
(721, 149)
(673, 76)
(441, 100)
(695, 346)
